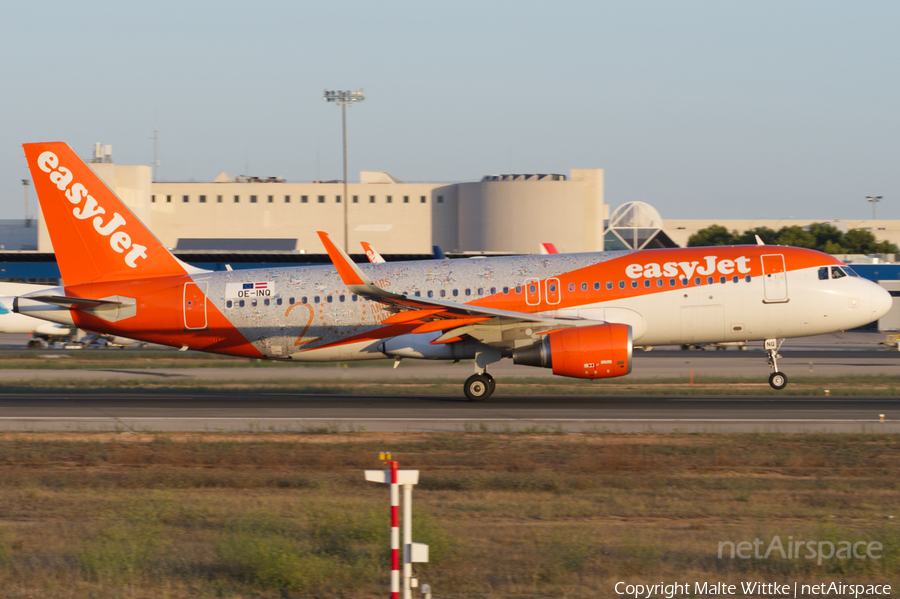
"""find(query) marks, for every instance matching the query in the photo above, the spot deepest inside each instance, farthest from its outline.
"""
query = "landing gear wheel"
(478, 387)
(493, 383)
(778, 380)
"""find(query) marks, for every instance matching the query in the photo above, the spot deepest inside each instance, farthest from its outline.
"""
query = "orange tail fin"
(95, 236)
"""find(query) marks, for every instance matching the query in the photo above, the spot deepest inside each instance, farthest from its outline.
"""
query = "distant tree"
(796, 237)
(713, 235)
(833, 248)
(825, 233)
(819, 236)
(765, 233)
(857, 241)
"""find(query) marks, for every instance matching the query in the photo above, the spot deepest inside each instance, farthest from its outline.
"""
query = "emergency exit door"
(195, 305)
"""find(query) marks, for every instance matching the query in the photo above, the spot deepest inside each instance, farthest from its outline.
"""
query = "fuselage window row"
(824, 272)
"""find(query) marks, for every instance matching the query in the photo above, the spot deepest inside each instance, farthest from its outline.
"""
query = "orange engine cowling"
(596, 352)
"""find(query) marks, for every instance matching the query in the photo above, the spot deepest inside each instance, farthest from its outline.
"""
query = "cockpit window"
(837, 273)
(850, 271)
(823, 273)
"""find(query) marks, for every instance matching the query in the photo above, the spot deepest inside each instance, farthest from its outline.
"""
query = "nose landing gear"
(777, 380)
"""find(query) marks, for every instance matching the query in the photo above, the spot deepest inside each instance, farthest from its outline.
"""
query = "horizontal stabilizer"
(77, 303)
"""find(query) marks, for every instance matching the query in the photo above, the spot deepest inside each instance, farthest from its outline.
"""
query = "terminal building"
(500, 213)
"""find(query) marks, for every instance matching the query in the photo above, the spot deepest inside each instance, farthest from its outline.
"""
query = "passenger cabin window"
(584, 286)
(659, 282)
(596, 286)
(609, 284)
(329, 299)
(621, 284)
(241, 303)
(228, 304)
(552, 287)
(455, 292)
(634, 284)
(646, 282)
(571, 286)
(518, 289)
(266, 302)
(431, 294)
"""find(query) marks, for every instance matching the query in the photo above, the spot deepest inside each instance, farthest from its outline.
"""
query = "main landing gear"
(479, 386)
(777, 380)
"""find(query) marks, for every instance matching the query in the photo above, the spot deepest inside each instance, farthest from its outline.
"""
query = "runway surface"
(839, 354)
(314, 413)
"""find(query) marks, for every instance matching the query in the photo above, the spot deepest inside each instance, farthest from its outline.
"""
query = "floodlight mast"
(874, 200)
(343, 98)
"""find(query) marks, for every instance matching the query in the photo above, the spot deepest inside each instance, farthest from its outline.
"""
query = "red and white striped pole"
(395, 531)
(413, 552)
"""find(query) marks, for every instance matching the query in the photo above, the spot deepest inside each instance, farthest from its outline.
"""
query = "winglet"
(373, 256)
(347, 269)
(759, 240)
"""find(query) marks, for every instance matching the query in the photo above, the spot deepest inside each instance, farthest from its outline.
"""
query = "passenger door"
(774, 279)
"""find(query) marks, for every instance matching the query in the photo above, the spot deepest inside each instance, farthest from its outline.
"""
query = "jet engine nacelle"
(596, 352)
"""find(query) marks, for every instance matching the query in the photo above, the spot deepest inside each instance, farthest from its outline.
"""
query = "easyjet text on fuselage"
(709, 266)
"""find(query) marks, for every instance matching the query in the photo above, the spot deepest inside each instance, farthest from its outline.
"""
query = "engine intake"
(596, 352)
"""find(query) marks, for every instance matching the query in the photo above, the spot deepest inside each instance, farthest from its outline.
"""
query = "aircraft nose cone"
(881, 301)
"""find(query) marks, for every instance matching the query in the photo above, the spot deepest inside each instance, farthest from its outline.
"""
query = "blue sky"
(704, 109)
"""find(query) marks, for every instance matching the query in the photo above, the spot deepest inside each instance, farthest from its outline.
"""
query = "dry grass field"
(85, 515)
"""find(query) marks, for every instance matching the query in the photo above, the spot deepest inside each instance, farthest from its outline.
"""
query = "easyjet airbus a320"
(579, 314)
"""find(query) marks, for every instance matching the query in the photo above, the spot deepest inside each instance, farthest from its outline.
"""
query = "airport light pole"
(343, 98)
(874, 200)
(25, 184)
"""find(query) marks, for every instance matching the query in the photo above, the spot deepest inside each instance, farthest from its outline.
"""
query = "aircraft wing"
(489, 325)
